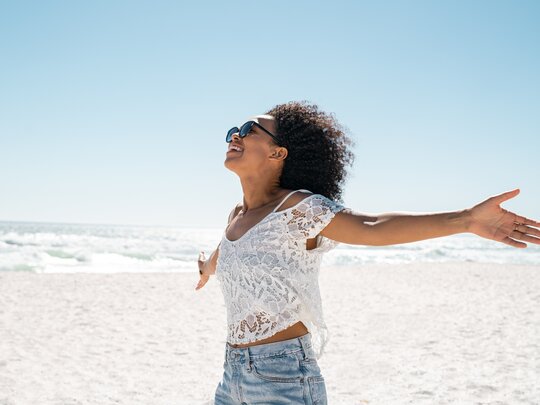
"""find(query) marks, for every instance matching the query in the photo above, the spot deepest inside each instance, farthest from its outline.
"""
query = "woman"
(291, 164)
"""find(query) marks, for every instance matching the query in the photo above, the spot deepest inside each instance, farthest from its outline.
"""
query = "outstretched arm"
(486, 219)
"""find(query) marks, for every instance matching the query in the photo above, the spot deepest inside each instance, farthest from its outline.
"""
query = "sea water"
(71, 248)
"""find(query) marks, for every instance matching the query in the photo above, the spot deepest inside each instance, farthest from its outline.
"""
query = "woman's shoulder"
(294, 199)
(234, 212)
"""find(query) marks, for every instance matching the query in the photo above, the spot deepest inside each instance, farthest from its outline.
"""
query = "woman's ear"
(280, 153)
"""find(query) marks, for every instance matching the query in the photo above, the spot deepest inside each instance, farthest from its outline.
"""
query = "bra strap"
(287, 196)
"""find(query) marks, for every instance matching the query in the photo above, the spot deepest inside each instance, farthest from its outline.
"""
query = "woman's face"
(258, 150)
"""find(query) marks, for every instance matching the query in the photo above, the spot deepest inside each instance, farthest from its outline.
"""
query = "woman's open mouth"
(235, 148)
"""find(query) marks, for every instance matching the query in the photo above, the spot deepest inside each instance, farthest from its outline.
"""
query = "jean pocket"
(311, 367)
(284, 369)
(317, 390)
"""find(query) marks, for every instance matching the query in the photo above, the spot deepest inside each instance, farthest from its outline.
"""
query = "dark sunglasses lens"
(246, 128)
(231, 132)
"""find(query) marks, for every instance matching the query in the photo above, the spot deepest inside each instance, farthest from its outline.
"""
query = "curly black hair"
(318, 148)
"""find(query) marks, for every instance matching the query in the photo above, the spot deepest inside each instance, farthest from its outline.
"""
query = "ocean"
(73, 248)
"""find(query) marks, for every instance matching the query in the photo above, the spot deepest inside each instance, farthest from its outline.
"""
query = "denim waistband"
(244, 354)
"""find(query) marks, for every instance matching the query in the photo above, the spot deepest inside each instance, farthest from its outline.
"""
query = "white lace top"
(269, 279)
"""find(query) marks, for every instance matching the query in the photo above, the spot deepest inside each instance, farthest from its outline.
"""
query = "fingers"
(201, 257)
(505, 196)
(201, 261)
(203, 278)
(526, 221)
(202, 282)
(514, 243)
(527, 230)
(527, 238)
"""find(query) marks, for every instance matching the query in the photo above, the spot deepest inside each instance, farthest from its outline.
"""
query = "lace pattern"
(268, 278)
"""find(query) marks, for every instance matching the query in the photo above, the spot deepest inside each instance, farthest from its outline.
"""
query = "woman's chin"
(231, 164)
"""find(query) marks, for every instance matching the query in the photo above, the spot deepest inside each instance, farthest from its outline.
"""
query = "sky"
(116, 112)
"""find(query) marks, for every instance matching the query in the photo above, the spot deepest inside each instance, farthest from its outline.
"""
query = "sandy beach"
(448, 333)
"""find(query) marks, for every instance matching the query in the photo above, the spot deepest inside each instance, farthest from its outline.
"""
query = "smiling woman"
(291, 163)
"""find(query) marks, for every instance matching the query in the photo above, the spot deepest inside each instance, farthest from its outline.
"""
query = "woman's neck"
(258, 194)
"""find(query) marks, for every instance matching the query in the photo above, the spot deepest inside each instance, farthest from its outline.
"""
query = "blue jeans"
(275, 373)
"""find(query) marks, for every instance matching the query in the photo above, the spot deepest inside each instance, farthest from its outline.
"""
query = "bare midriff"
(295, 330)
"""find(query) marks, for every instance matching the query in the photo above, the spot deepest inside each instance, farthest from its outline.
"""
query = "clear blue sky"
(116, 111)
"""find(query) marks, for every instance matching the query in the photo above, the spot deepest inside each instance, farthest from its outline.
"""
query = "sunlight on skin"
(490, 221)
(486, 219)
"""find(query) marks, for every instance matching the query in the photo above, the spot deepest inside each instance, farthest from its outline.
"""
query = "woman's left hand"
(203, 276)
(490, 221)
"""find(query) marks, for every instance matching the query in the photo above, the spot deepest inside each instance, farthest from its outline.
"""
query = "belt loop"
(304, 347)
(248, 359)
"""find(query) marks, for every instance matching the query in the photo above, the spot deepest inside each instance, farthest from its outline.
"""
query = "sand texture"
(448, 333)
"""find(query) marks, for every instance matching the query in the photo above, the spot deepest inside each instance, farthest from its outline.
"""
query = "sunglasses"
(245, 129)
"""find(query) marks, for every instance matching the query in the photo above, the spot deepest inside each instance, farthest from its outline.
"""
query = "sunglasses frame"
(242, 132)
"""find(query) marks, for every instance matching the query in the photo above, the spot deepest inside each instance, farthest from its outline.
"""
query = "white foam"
(73, 248)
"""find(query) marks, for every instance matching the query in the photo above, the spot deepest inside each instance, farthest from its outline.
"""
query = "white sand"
(400, 334)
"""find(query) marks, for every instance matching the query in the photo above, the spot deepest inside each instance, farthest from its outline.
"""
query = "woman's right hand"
(202, 271)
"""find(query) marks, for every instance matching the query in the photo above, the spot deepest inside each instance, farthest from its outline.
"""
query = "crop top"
(269, 279)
